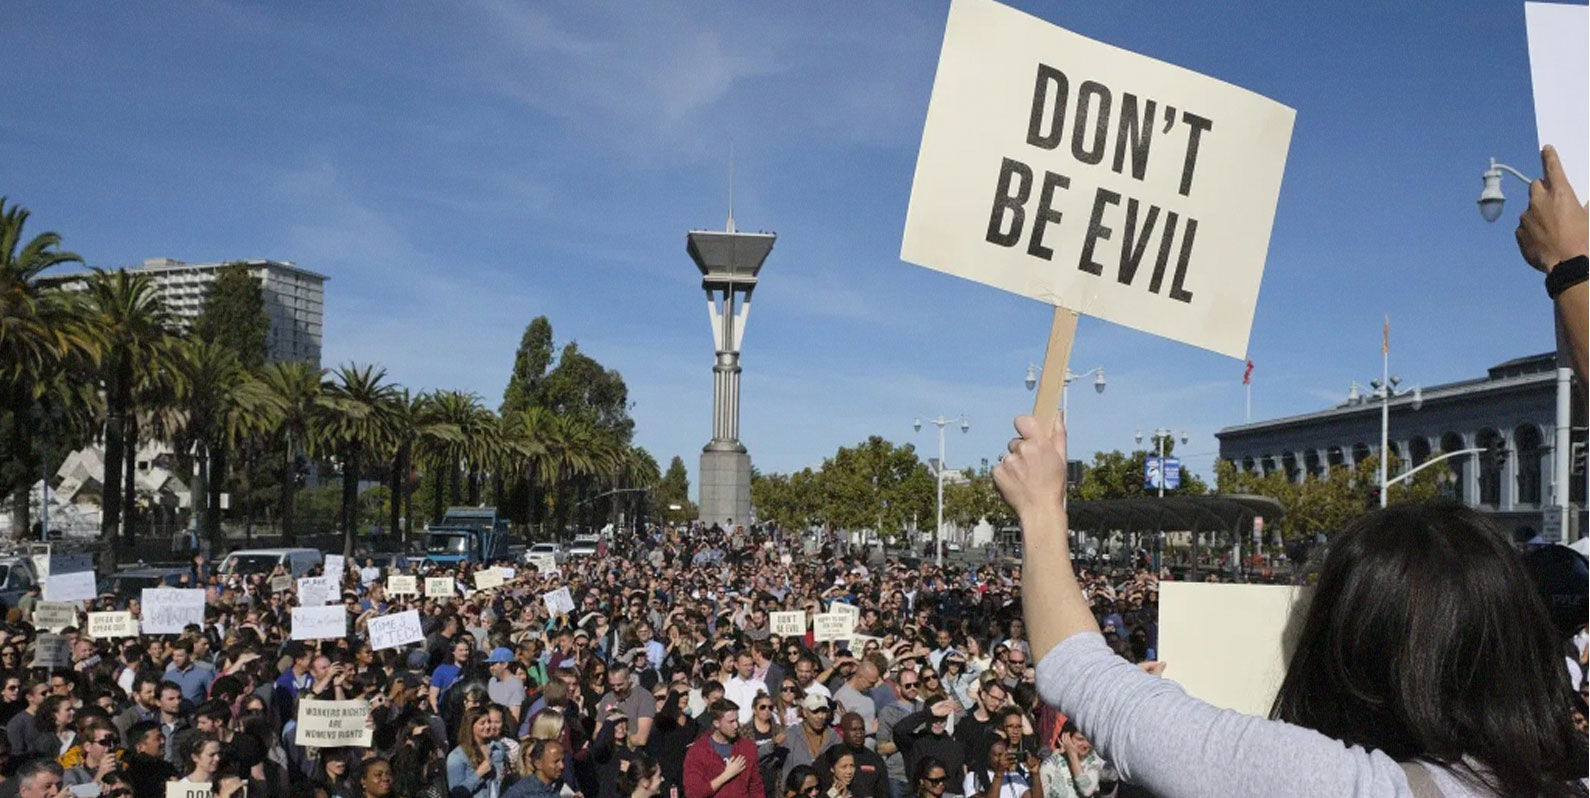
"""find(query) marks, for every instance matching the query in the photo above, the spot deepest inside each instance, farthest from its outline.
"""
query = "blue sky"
(460, 168)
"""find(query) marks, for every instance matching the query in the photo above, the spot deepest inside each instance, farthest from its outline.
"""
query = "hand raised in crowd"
(945, 708)
(1556, 226)
(1032, 476)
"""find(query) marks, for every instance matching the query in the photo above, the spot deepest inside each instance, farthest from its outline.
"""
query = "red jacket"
(702, 765)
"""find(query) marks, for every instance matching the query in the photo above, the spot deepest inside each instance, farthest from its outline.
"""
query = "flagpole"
(1385, 403)
(1249, 417)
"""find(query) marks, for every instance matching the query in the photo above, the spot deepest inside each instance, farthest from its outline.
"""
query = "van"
(296, 562)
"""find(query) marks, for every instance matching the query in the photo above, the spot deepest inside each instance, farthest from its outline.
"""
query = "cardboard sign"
(54, 615)
(314, 591)
(336, 566)
(52, 651)
(75, 586)
(488, 578)
(111, 625)
(852, 610)
(333, 724)
(1559, 71)
(403, 585)
(1226, 644)
(559, 602)
(787, 624)
(833, 626)
(169, 610)
(281, 583)
(1095, 179)
(396, 629)
(187, 789)
(439, 587)
(319, 623)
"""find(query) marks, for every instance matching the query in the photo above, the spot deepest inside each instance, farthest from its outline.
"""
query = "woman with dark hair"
(672, 732)
(53, 733)
(642, 779)
(929, 778)
(333, 774)
(803, 782)
(374, 779)
(417, 770)
(1425, 663)
(476, 767)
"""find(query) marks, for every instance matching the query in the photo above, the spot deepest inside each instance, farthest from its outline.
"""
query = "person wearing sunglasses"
(99, 757)
(907, 699)
(802, 782)
(929, 779)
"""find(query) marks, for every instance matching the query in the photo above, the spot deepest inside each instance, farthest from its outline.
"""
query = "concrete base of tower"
(725, 479)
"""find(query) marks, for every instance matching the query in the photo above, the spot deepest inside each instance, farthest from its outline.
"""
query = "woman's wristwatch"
(1565, 275)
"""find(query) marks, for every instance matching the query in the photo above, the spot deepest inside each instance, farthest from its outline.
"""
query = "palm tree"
(294, 392)
(133, 326)
(420, 435)
(526, 433)
(38, 330)
(356, 424)
(220, 404)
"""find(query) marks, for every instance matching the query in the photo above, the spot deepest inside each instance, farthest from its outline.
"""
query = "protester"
(1553, 236)
(1414, 608)
(722, 764)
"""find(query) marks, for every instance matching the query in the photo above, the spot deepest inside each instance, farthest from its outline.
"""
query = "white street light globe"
(1491, 198)
(966, 425)
(916, 425)
(1098, 384)
(1032, 377)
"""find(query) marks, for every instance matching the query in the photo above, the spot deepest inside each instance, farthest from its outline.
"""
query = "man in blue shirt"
(186, 674)
(449, 672)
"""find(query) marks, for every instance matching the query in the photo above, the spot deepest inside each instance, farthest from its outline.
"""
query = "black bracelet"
(1565, 275)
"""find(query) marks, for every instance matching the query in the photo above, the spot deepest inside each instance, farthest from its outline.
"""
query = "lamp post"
(1490, 203)
(938, 530)
(1160, 436)
(44, 418)
(1065, 392)
(1385, 389)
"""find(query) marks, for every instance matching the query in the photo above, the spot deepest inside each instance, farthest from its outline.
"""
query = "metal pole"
(938, 529)
(44, 512)
(1562, 446)
(1161, 465)
(1385, 418)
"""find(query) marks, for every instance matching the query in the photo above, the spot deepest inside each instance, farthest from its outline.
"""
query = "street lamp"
(1491, 200)
(1098, 383)
(1385, 389)
(1160, 436)
(938, 531)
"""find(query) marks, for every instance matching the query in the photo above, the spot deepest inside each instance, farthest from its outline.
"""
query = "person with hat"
(505, 688)
(814, 735)
(639, 707)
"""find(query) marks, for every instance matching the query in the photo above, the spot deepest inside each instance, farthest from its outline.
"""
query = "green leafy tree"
(356, 424)
(977, 499)
(294, 392)
(530, 365)
(876, 485)
(1116, 475)
(234, 315)
(1327, 503)
(674, 489)
(581, 387)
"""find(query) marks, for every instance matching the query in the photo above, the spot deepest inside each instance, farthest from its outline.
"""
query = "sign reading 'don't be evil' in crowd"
(1095, 179)
(787, 624)
(439, 587)
(333, 724)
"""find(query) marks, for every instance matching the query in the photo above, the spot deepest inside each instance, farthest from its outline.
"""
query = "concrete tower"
(729, 262)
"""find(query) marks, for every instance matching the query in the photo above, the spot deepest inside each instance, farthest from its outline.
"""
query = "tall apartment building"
(294, 300)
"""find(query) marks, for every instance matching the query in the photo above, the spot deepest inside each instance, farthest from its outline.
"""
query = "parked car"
(543, 549)
(584, 546)
(297, 562)
(16, 576)
(132, 581)
(392, 561)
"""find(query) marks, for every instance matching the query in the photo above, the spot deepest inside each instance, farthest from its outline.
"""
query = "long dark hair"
(1425, 639)
(641, 767)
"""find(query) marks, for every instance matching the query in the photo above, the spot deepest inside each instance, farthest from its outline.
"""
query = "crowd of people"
(665, 679)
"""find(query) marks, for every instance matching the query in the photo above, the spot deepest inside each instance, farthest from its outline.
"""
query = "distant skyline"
(457, 169)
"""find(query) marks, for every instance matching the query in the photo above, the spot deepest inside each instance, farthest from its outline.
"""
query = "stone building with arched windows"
(1510, 412)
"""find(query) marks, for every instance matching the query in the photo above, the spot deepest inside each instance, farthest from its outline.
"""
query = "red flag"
(1247, 373)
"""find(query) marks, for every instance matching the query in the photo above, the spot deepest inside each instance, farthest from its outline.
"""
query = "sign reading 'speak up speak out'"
(1096, 179)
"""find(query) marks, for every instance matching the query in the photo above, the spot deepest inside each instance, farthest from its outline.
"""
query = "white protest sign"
(488, 578)
(1559, 72)
(397, 629)
(77, 586)
(187, 789)
(111, 625)
(52, 651)
(89, 790)
(439, 587)
(333, 724)
(1095, 179)
(168, 610)
(544, 563)
(852, 610)
(833, 626)
(1224, 642)
(54, 615)
(317, 623)
(507, 573)
(787, 624)
(403, 585)
(558, 602)
(314, 591)
(336, 566)
(281, 583)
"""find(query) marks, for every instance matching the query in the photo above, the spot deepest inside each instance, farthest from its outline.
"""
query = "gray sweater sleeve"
(1176, 745)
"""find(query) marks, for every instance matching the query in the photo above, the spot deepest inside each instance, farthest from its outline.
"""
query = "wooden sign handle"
(1056, 358)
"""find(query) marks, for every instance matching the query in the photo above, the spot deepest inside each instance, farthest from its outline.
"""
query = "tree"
(977, 499)
(529, 367)
(579, 386)
(1115, 475)
(133, 323)
(674, 489)
(356, 424)
(293, 392)
(1327, 503)
(876, 485)
(39, 333)
(221, 404)
(234, 315)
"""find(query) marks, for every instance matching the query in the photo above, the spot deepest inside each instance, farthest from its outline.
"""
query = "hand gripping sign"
(1096, 180)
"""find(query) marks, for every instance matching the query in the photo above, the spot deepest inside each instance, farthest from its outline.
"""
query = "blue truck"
(467, 534)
